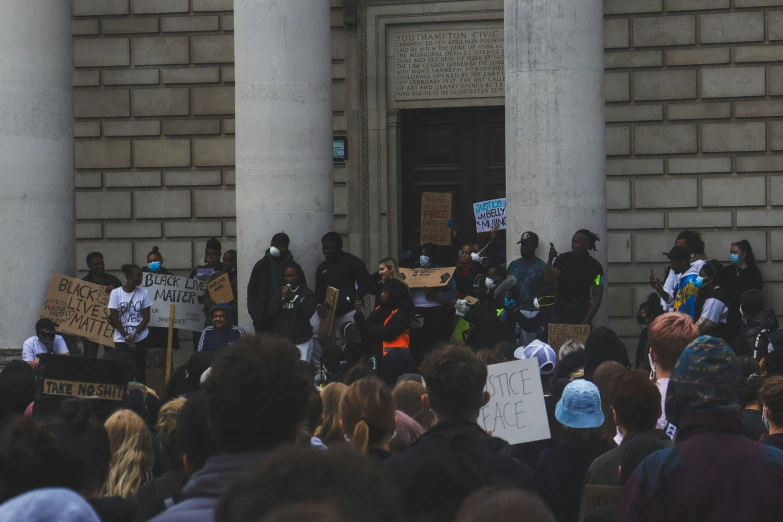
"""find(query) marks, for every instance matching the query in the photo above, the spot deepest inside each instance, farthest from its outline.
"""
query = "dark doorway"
(458, 151)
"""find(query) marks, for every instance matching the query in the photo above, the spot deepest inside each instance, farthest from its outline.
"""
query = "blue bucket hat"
(580, 406)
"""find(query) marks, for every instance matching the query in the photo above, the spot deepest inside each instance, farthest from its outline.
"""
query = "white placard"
(490, 214)
(165, 290)
(516, 411)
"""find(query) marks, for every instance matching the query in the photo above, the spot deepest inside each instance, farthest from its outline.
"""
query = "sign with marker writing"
(490, 214)
(426, 277)
(220, 289)
(183, 293)
(435, 215)
(515, 412)
(84, 390)
(79, 308)
(559, 334)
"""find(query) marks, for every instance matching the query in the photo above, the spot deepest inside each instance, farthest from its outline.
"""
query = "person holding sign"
(212, 264)
(45, 340)
(230, 269)
(494, 316)
(97, 275)
(159, 335)
(291, 308)
(580, 289)
(129, 308)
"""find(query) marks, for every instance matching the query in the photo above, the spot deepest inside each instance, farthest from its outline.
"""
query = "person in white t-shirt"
(45, 340)
(129, 307)
(669, 334)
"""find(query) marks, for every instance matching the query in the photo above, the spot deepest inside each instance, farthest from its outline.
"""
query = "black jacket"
(489, 326)
(153, 496)
(466, 280)
(754, 339)
(398, 311)
(265, 279)
(292, 318)
(113, 509)
(346, 273)
(448, 463)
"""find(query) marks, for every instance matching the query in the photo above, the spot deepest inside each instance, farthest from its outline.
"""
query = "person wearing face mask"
(159, 335)
(468, 274)
(45, 341)
(648, 312)
(265, 279)
(230, 269)
(741, 275)
(494, 316)
(711, 304)
(528, 271)
(683, 297)
(771, 395)
(760, 322)
(291, 307)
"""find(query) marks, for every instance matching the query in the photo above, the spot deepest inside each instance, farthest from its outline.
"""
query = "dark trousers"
(90, 349)
(139, 354)
(437, 326)
(570, 312)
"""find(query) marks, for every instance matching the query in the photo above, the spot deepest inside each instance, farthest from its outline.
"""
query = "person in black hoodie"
(266, 278)
(759, 323)
(389, 326)
(456, 457)
(603, 345)
(291, 307)
(493, 317)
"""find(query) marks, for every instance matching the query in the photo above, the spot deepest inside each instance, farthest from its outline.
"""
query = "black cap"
(678, 253)
(281, 238)
(528, 239)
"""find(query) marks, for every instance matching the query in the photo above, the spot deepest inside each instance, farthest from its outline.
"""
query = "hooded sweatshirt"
(754, 337)
(266, 278)
(603, 345)
(492, 322)
(389, 320)
(45, 505)
(213, 340)
(292, 318)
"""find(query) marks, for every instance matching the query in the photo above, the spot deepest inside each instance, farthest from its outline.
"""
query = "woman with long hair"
(387, 269)
(367, 417)
(737, 278)
(131, 454)
(329, 430)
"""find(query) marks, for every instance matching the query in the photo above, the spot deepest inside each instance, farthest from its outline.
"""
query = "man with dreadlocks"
(580, 278)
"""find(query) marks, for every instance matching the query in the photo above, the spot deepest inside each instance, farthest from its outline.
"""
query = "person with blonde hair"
(407, 398)
(367, 417)
(387, 269)
(329, 431)
(131, 454)
(568, 348)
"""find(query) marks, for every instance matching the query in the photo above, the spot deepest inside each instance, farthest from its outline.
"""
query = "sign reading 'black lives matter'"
(183, 293)
(79, 308)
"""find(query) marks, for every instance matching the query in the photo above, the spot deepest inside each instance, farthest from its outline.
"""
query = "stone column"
(284, 131)
(555, 156)
(37, 229)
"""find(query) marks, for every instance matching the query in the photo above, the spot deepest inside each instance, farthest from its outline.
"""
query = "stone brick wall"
(694, 135)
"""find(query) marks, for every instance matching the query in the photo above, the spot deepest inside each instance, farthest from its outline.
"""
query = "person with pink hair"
(669, 334)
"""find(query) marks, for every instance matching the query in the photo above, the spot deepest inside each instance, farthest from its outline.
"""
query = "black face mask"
(641, 319)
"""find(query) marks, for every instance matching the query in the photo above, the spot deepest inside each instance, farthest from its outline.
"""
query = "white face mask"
(274, 252)
(490, 283)
(475, 257)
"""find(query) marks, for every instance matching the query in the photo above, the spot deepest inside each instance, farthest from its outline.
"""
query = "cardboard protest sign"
(79, 308)
(559, 334)
(435, 215)
(220, 289)
(84, 390)
(490, 214)
(597, 496)
(516, 412)
(426, 277)
(165, 290)
(461, 331)
(156, 370)
(330, 304)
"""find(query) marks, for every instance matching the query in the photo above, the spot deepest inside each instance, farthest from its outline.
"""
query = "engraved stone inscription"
(460, 63)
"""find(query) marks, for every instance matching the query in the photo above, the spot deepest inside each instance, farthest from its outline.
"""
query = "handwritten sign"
(330, 305)
(165, 290)
(490, 214)
(84, 390)
(597, 496)
(220, 289)
(435, 215)
(426, 277)
(515, 412)
(79, 308)
(559, 334)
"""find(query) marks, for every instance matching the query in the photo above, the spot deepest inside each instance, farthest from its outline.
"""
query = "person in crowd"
(561, 469)
(602, 345)
(569, 347)
(771, 395)
(387, 269)
(753, 426)
(690, 239)
(406, 433)
(129, 308)
(265, 279)
(711, 310)
(257, 398)
(195, 439)
(45, 505)
(389, 325)
(602, 378)
(407, 398)
(299, 484)
(456, 457)
(732, 477)
(571, 363)
(153, 495)
(759, 321)
(433, 311)
(494, 316)
(741, 275)
(329, 431)
(97, 275)
(771, 364)
(313, 419)
(636, 406)
(346, 273)
(131, 450)
(159, 335)
(503, 504)
(291, 307)
(490, 356)
(221, 333)
(528, 270)
(683, 296)
(367, 417)
(649, 311)
(17, 389)
(468, 274)
(212, 265)
(580, 278)
(45, 341)
(669, 335)
(547, 361)
(229, 269)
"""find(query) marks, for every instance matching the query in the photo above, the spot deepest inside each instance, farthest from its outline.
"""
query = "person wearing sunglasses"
(45, 340)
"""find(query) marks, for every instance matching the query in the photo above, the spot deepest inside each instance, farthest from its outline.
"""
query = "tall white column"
(284, 131)
(36, 159)
(555, 156)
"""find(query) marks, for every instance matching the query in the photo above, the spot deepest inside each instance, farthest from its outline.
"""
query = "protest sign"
(166, 290)
(84, 390)
(490, 214)
(435, 215)
(598, 496)
(461, 331)
(330, 305)
(426, 277)
(559, 334)
(220, 289)
(155, 370)
(79, 308)
(515, 412)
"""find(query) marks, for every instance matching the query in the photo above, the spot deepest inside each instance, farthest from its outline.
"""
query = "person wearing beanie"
(713, 472)
(759, 322)
(44, 341)
(222, 332)
(266, 279)
(561, 469)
